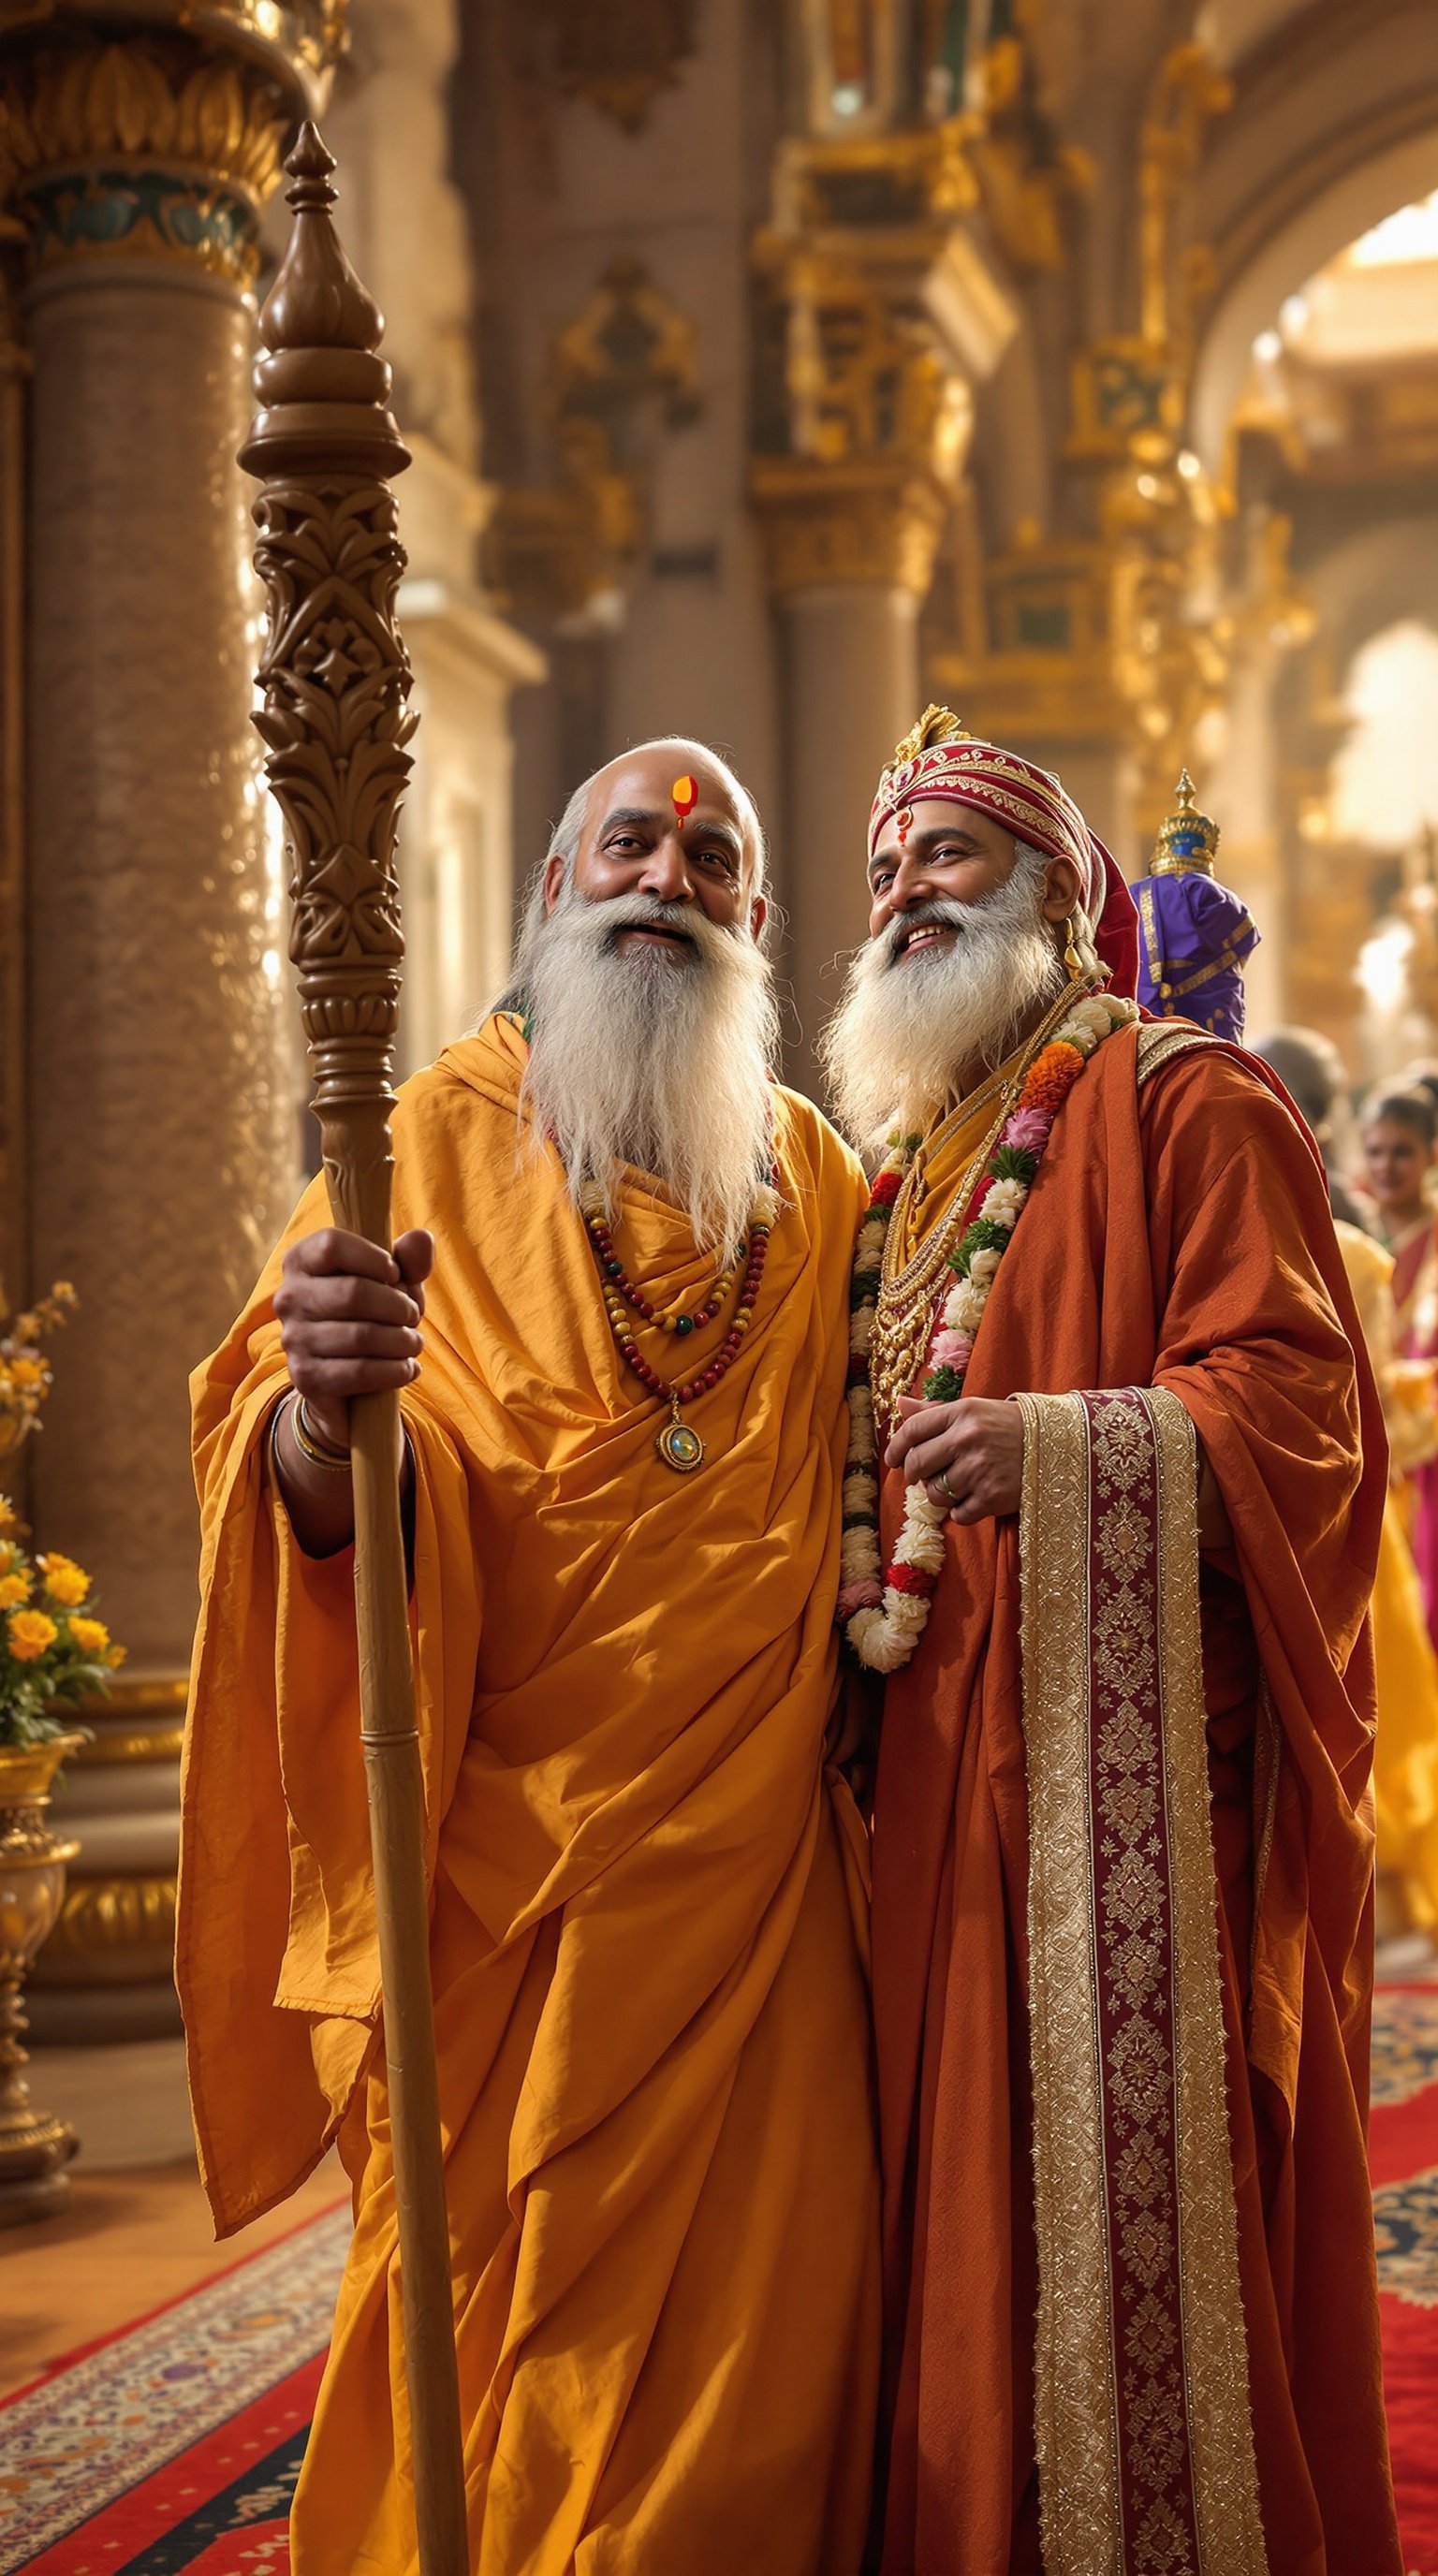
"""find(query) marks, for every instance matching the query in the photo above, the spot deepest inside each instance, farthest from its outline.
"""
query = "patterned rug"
(176, 2444)
(172, 2449)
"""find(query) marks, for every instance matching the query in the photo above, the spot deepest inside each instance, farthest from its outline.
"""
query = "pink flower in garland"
(859, 1596)
(951, 1350)
(1029, 1128)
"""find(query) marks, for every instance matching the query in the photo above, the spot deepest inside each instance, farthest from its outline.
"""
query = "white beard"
(643, 1060)
(907, 1026)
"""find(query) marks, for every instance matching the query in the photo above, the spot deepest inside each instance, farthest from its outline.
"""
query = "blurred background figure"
(1310, 1069)
(1398, 1133)
(1405, 1757)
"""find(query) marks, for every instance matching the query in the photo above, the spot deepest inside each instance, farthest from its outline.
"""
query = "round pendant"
(680, 1448)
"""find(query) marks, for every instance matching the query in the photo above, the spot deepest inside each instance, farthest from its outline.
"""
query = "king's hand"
(969, 1454)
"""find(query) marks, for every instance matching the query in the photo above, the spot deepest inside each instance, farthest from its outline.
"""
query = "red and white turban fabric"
(939, 759)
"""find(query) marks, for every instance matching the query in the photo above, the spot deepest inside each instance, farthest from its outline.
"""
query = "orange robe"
(1178, 1241)
(649, 1937)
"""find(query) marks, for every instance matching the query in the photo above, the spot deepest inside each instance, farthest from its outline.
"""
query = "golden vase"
(34, 2148)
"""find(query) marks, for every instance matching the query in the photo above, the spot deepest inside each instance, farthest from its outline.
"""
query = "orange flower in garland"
(1051, 1076)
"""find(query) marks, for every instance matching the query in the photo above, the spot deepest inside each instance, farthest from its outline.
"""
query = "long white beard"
(641, 1059)
(906, 1026)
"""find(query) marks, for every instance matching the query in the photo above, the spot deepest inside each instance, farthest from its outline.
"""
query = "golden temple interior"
(769, 367)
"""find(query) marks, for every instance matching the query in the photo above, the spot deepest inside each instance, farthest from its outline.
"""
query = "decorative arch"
(1334, 125)
(1374, 579)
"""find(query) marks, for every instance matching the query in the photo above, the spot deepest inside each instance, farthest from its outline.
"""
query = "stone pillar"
(878, 314)
(163, 1122)
(850, 558)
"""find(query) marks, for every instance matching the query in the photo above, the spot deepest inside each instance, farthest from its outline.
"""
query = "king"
(1112, 1510)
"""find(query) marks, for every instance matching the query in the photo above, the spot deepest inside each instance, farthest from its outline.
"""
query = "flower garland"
(884, 1621)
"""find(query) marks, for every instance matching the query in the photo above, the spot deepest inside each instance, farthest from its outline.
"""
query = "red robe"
(1178, 1238)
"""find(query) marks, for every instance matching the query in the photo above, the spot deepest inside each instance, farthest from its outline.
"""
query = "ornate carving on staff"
(335, 680)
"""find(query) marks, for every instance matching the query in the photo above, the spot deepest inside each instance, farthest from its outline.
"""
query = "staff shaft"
(334, 681)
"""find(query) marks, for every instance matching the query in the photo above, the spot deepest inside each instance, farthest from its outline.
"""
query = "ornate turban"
(939, 759)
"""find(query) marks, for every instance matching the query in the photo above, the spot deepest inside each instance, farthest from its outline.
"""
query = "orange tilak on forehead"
(685, 793)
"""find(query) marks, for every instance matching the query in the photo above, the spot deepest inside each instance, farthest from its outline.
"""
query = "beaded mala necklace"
(679, 1444)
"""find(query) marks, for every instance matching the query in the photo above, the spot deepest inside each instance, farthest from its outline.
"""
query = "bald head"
(712, 815)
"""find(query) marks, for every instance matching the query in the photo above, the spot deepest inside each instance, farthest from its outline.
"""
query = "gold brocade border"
(1075, 2418)
(1160, 1039)
(1215, 2339)
(1076, 2406)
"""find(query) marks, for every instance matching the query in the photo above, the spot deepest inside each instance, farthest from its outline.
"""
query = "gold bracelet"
(320, 1453)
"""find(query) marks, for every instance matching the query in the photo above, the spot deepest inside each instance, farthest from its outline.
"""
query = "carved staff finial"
(335, 675)
(335, 681)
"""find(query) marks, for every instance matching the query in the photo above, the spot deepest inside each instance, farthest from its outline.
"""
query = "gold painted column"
(163, 1121)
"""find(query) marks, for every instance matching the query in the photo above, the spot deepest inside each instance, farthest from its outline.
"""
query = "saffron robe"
(1405, 1753)
(649, 1937)
(1415, 1310)
(1178, 1246)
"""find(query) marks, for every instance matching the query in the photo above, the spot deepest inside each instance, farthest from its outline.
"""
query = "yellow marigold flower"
(14, 1588)
(27, 1327)
(9, 1517)
(90, 1635)
(114, 1656)
(64, 1579)
(23, 1372)
(31, 1635)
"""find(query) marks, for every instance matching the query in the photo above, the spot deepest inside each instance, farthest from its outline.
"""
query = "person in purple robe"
(1194, 934)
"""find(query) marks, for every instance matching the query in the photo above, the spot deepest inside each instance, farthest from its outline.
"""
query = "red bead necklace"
(678, 1444)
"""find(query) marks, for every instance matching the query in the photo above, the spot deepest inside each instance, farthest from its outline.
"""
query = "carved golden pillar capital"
(876, 314)
(157, 143)
(857, 520)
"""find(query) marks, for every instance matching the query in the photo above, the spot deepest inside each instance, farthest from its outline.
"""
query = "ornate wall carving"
(624, 370)
(620, 57)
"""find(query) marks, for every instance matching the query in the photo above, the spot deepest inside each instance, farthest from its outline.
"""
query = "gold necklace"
(914, 1188)
(904, 1309)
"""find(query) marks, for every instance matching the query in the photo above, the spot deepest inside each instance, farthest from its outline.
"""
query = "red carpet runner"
(173, 2448)
(1403, 2157)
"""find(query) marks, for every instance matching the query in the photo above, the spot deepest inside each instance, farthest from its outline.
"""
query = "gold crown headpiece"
(1187, 840)
(935, 725)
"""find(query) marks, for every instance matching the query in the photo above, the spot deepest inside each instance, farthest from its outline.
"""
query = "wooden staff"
(335, 679)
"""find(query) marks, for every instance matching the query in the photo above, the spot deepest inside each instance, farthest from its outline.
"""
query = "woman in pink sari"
(1400, 1151)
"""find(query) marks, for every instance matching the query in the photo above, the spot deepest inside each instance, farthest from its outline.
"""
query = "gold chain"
(904, 1312)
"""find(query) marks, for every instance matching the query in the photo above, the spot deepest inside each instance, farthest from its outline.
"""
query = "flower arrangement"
(25, 1374)
(52, 1645)
(883, 1622)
